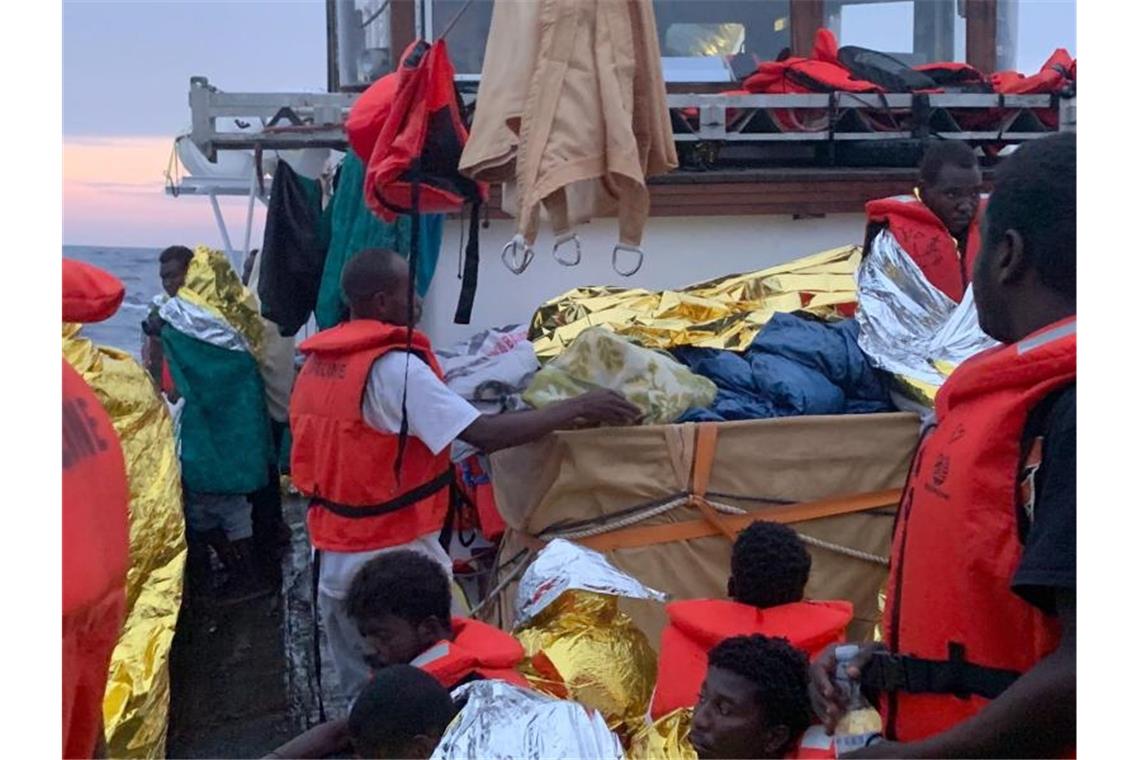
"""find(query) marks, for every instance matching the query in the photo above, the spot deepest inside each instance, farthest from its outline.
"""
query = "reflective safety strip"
(1061, 331)
(437, 652)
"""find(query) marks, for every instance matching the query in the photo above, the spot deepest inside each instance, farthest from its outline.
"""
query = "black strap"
(406, 499)
(955, 675)
(470, 269)
(413, 262)
(317, 634)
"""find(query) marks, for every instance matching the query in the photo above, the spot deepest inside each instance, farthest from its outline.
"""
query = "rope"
(844, 550)
(493, 594)
(660, 509)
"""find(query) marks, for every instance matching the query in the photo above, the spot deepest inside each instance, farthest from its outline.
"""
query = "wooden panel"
(807, 17)
(981, 34)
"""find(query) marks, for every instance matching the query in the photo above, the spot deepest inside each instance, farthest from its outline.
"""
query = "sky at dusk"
(126, 73)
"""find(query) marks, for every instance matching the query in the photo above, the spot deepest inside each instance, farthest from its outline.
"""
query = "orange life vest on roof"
(956, 545)
(95, 559)
(696, 626)
(477, 649)
(928, 243)
(345, 465)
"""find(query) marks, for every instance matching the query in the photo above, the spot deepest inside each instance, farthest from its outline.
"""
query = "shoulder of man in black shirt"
(1048, 522)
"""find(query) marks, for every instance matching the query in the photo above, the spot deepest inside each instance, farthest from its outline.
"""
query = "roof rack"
(289, 121)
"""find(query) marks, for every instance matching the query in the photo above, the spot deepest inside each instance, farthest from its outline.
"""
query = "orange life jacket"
(358, 504)
(960, 634)
(928, 243)
(477, 649)
(696, 626)
(95, 558)
(822, 72)
(90, 294)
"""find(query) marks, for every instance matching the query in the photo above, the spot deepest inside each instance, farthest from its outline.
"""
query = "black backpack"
(886, 71)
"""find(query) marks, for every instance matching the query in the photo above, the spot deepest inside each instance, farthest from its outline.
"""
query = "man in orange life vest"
(348, 407)
(979, 652)
(96, 500)
(770, 568)
(938, 225)
(754, 703)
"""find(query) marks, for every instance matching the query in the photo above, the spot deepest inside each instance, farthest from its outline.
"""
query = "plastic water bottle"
(861, 725)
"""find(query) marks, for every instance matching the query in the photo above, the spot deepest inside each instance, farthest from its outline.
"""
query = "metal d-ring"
(566, 238)
(628, 249)
(511, 258)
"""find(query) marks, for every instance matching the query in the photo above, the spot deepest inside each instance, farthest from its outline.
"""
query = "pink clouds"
(113, 194)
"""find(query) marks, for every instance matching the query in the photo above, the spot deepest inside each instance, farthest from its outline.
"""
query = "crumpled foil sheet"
(578, 644)
(501, 721)
(213, 285)
(204, 324)
(726, 312)
(910, 328)
(665, 739)
(653, 381)
(137, 699)
(564, 565)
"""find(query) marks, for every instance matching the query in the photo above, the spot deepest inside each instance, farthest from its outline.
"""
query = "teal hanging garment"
(354, 228)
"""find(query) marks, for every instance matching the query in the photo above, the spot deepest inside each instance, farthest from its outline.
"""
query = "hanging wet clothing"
(292, 257)
(354, 228)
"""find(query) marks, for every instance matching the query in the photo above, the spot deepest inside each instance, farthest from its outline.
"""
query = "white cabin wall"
(678, 251)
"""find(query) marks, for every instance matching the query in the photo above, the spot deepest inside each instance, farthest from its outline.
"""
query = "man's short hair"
(777, 669)
(1035, 193)
(369, 272)
(179, 253)
(770, 565)
(402, 583)
(942, 153)
(399, 703)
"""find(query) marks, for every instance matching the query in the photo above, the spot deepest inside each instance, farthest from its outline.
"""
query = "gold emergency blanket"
(137, 699)
(723, 313)
(212, 284)
(666, 739)
(659, 385)
(582, 647)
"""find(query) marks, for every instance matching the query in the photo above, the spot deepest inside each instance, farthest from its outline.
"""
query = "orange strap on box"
(649, 535)
(704, 454)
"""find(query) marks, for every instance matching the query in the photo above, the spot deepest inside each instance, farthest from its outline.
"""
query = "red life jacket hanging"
(409, 130)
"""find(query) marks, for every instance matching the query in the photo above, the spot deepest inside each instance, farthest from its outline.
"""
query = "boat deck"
(242, 677)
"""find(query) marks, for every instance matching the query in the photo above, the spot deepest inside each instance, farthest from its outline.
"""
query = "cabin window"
(698, 39)
(914, 31)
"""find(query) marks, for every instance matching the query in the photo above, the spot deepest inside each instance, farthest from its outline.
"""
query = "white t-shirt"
(436, 415)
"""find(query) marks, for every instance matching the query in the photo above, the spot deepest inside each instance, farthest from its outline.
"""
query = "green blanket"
(354, 228)
(226, 440)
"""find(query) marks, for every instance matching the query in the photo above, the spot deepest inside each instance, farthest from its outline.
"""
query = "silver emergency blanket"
(201, 323)
(563, 566)
(907, 326)
(503, 721)
(490, 370)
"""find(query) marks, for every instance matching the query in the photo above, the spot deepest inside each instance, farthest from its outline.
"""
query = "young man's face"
(393, 640)
(173, 274)
(954, 198)
(729, 722)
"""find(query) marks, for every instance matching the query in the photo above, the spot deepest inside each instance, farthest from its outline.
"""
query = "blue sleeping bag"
(795, 366)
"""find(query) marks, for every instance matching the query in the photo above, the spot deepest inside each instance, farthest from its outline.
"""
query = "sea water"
(138, 270)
